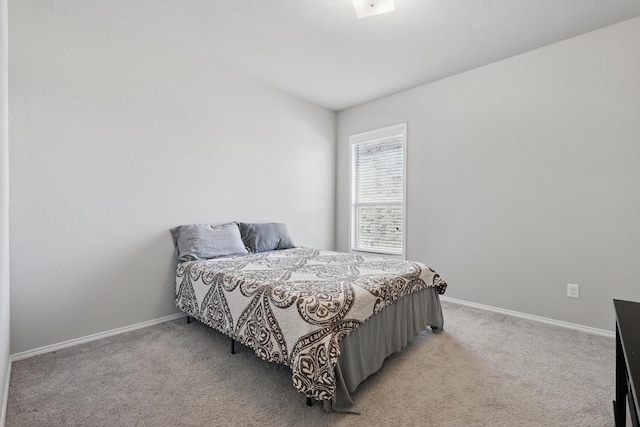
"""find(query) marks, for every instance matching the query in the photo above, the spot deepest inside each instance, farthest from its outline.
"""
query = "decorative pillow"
(265, 237)
(204, 241)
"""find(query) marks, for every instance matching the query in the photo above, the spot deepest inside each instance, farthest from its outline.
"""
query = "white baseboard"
(88, 338)
(560, 323)
(5, 400)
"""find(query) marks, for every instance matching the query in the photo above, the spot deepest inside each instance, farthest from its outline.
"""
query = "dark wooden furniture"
(625, 407)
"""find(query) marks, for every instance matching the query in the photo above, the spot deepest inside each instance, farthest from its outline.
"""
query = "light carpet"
(485, 369)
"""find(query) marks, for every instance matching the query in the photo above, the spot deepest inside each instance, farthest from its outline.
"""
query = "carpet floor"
(485, 369)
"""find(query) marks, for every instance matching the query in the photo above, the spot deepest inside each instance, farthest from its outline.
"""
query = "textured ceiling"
(318, 50)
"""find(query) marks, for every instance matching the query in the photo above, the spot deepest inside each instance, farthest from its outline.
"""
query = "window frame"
(367, 137)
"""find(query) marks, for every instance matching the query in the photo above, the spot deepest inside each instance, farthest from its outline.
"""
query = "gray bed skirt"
(364, 350)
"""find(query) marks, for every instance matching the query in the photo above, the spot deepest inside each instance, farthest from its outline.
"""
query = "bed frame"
(425, 304)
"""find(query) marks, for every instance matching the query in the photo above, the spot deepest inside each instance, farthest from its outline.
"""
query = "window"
(378, 161)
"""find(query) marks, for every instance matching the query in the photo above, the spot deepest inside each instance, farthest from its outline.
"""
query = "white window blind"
(378, 190)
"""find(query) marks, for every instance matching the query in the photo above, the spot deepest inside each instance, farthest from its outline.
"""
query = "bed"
(331, 317)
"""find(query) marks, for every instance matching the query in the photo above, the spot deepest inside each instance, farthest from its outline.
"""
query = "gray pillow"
(204, 241)
(265, 237)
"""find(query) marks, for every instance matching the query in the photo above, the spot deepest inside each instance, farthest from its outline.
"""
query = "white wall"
(114, 141)
(4, 211)
(523, 176)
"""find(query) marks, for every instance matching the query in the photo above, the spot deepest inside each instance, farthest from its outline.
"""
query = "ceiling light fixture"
(365, 8)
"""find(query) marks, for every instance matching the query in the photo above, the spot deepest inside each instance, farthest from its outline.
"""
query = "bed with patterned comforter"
(294, 306)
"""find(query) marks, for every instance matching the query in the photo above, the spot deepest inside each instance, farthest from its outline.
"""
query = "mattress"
(295, 306)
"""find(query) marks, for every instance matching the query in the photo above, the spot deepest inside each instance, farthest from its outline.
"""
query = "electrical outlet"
(573, 290)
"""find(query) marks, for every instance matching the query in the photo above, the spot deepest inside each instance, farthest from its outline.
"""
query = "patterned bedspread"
(293, 306)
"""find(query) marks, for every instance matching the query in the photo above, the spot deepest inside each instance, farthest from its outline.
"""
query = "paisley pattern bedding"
(293, 306)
